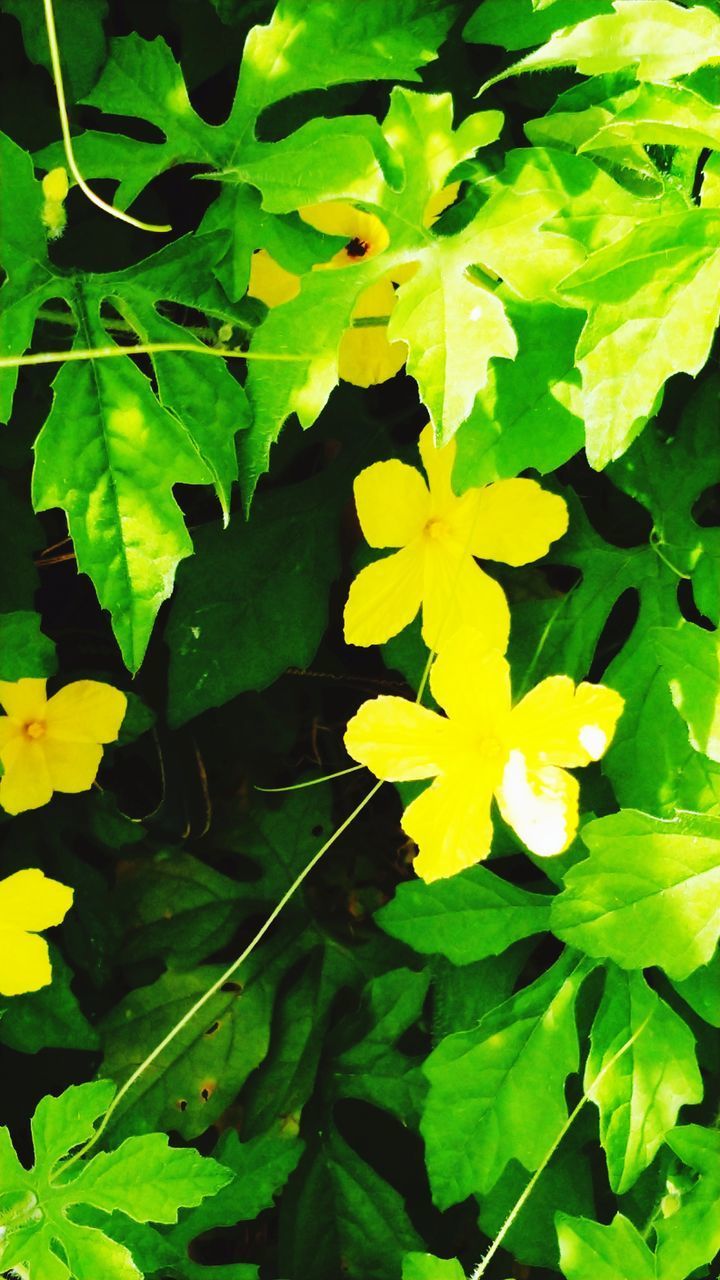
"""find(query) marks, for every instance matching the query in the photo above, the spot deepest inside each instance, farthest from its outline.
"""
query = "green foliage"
(144, 1179)
(640, 1095)
(399, 1073)
(470, 916)
(277, 572)
(506, 1077)
(663, 875)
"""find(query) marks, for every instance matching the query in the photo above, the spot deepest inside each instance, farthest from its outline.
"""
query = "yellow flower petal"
(365, 234)
(541, 804)
(86, 711)
(72, 766)
(438, 464)
(270, 282)
(557, 723)
(25, 784)
(451, 825)
(392, 503)
(31, 901)
(55, 185)
(23, 700)
(403, 272)
(457, 593)
(9, 730)
(385, 597)
(24, 962)
(515, 521)
(438, 203)
(471, 682)
(399, 741)
(366, 357)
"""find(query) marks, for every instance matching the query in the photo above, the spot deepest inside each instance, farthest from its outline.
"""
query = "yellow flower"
(53, 744)
(485, 748)
(366, 356)
(438, 534)
(55, 189)
(364, 233)
(29, 901)
(270, 282)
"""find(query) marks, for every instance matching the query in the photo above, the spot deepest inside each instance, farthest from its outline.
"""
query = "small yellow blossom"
(55, 188)
(483, 748)
(366, 357)
(29, 902)
(364, 233)
(270, 282)
(438, 536)
(53, 744)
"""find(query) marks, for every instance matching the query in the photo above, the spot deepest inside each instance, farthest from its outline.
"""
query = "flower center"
(35, 729)
(436, 527)
(357, 248)
(490, 749)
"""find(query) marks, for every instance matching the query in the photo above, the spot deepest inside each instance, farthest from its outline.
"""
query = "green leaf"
(176, 907)
(143, 1178)
(647, 894)
(638, 292)
(465, 917)
(24, 650)
(589, 1251)
(373, 1068)
(280, 838)
(147, 1179)
(658, 115)
(690, 1237)
(125, 452)
(261, 1167)
(50, 1018)
(425, 1266)
(530, 412)
(286, 1078)
(23, 255)
(467, 318)
(323, 159)
(547, 210)
(660, 40)
(309, 45)
(201, 1072)
(114, 469)
(567, 1180)
(308, 328)
(253, 601)
(367, 1226)
(517, 24)
(702, 991)
(80, 35)
(453, 325)
(640, 1095)
(503, 1083)
(462, 996)
(651, 763)
(305, 46)
(690, 660)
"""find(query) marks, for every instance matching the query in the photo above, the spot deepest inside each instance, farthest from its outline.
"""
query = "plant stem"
(525, 1195)
(142, 348)
(67, 140)
(217, 985)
